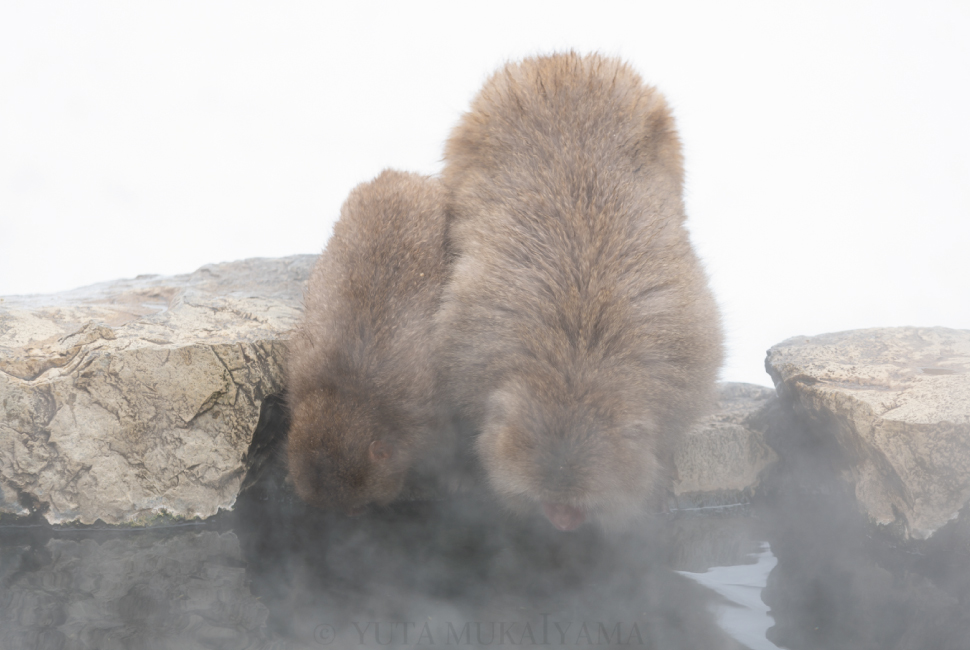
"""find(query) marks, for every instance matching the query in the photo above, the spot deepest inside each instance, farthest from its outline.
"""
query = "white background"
(827, 144)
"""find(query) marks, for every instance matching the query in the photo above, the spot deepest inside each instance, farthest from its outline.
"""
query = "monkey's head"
(345, 450)
(571, 454)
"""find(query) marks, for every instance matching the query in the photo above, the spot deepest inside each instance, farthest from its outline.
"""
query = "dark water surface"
(457, 573)
(445, 574)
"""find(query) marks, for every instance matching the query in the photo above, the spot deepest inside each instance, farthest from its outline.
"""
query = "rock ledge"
(135, 399)
(896, 403)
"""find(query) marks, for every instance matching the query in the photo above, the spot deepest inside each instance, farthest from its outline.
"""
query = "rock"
(135, 401)
(128, 400)
(721, 460)
(895, 403)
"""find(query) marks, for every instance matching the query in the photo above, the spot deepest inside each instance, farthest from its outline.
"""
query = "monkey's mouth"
(562, 516)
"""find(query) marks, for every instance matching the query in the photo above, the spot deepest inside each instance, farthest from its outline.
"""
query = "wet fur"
(360, 364)
(579, 335)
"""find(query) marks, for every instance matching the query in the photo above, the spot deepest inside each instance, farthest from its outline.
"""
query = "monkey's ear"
(657, 142)
(380, 451)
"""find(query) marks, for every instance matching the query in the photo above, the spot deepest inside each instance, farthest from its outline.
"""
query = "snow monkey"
(580, 338)
(360, 375)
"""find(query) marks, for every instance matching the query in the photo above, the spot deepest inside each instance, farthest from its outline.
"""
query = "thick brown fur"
(360, 375)
(579, 334)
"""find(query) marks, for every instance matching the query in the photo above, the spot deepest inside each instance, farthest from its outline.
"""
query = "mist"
(826, 152)
(825, 145)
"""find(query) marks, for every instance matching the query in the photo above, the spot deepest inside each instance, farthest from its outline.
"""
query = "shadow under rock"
(840, 583)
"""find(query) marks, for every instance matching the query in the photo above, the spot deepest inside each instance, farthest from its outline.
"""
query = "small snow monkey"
(360, 376)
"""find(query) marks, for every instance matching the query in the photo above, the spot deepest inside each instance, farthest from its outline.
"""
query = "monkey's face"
(572, 458)
(342, 452)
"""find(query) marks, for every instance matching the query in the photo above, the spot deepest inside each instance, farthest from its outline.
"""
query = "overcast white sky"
(827, 144)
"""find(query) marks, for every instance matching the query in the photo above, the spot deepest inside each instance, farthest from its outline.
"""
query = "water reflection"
(742, 613)
(442, 574)
(461, 570)
(175, 589)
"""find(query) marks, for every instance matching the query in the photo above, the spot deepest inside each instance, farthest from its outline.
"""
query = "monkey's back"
(564, 186)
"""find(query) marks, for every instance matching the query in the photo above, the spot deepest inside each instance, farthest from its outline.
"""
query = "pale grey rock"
(896, 401)
(132, 399)
(722, 459)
